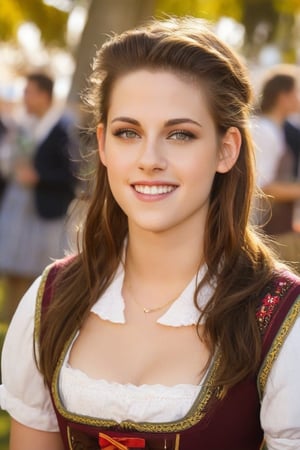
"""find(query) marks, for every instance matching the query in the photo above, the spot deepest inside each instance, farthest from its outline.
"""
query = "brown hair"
(43, 82)
(273, 87)
(238, 263)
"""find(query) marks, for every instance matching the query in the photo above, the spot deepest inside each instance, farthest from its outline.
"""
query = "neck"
(158, 268)
(276, 116)
(43, 110)
(163, 257)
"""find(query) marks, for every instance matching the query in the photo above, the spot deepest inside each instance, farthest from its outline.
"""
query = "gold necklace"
(151, 310)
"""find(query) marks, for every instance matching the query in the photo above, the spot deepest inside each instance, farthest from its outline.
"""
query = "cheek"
(200, 175)
(117, 173)
(203, 165)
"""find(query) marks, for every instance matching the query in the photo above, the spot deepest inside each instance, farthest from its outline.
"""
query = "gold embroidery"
(196, 413)
(277, 344)
(177, 441)
(38, 307)
(69, 438)
(207, 393)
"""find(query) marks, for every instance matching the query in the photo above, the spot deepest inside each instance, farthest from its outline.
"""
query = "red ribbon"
(120, 443)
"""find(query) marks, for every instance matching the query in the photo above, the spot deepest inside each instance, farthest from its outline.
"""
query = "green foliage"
(3, 328)
(275, 17)
(10, 18)
(211, 10)
(4, 430)
(287, 6)
(214, 9)
(50, 21)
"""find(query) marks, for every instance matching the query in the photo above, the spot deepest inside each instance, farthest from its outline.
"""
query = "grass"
(4, 418)
(4, 430)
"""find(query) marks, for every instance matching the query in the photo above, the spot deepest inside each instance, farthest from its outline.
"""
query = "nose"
(152, 156)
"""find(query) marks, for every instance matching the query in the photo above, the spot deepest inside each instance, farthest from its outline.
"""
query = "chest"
(148, 353)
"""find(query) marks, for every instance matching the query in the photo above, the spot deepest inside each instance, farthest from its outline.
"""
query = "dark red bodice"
(216, 421)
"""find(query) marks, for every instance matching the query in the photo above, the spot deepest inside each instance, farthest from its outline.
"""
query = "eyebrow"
(181, 120)
(168, 123)
(126, 119)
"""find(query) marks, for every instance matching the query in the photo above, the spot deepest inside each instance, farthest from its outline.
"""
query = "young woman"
(173, 327)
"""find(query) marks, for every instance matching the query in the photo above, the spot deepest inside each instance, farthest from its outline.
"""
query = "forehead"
(32, 87)
(166, 91)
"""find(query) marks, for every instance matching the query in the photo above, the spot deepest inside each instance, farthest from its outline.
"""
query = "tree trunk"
(104, 17)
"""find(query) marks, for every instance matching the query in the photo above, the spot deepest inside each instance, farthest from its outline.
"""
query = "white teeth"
(153, 190)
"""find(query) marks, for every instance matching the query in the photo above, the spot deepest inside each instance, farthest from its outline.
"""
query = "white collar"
(182, 312)
(44, 125)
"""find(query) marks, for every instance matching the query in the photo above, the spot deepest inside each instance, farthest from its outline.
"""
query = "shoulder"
(58, 131)
(48, 278)
(278, 379)
(23, 393)
(279, 299)
(278, 317)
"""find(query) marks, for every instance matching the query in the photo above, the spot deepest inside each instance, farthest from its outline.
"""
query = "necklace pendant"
(146, 310)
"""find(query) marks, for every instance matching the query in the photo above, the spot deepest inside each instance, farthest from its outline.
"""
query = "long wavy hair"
(238, 262)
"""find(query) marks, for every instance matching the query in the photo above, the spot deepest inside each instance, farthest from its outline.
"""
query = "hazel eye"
(181, 135)
(126, 133)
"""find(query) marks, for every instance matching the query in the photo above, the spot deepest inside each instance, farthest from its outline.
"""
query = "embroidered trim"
(197, 412)
(271, 302)
(38, 307)
(69, 437)
(288, 322)
(208, 393)
(177, 441)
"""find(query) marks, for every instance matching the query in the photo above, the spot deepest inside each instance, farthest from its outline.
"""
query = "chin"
(154, 227)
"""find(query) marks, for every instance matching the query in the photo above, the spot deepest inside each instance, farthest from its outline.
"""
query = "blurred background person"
(291, 129)
(3, 132)
(6, 137)
(292, 136)
(277, 159)
(38, 193)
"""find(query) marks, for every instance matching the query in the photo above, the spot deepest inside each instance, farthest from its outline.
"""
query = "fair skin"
(161, 152)
(36, 101)
(22, 437)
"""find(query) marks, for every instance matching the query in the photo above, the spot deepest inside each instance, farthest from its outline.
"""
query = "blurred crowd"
(276, 133)
(38, 157)
(39, 163)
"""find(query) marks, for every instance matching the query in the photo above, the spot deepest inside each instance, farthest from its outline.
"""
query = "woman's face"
(161, 150)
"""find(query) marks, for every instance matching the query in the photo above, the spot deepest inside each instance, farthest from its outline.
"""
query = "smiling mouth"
(153, 190)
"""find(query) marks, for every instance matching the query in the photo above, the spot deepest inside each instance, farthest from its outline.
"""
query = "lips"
(153, 189)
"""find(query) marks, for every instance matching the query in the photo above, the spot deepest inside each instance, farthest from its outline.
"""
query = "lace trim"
(196, 413)
(149, 402)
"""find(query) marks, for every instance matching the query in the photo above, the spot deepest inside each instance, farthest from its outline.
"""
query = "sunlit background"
(25, 50)
(60, 36)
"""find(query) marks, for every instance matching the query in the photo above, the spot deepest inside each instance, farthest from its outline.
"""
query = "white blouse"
(270, 146)
(24, 395)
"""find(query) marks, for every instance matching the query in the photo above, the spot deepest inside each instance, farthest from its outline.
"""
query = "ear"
(100, 140)
(229, 150)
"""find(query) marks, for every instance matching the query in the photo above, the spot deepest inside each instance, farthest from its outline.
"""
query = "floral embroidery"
(271, 301)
